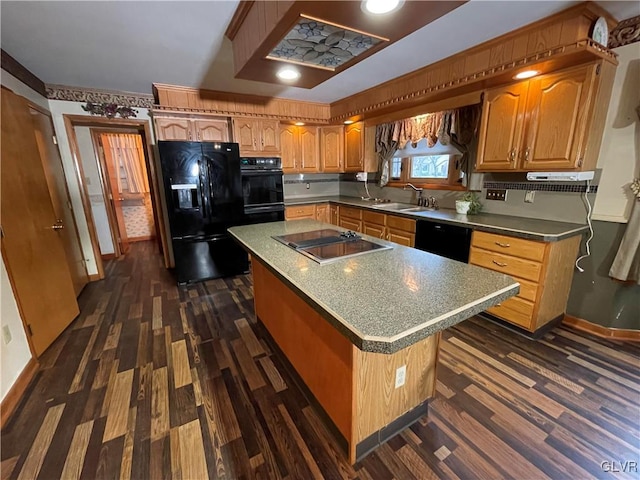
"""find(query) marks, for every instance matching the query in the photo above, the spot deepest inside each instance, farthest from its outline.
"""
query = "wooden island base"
(356, 389)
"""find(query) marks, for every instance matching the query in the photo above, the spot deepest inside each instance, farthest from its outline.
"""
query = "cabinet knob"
(512, 155)
(527, 151)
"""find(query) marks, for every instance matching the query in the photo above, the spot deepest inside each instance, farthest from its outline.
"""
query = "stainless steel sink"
(392, 206)
(416, 209)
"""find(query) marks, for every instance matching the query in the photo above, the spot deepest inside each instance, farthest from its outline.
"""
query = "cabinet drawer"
(351, 212)
(517, 247)
(514, 310)
(518, 267)
(528, 290)
(401, 223)
(350, 224)
(374, 217)
(300, 211)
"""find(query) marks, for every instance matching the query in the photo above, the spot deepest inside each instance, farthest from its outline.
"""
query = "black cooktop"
(327, 245)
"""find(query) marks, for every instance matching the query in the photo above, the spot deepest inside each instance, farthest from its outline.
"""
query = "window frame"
(449, 183)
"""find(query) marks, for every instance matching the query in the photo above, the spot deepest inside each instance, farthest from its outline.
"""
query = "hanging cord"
(586, 244)
(366, 188)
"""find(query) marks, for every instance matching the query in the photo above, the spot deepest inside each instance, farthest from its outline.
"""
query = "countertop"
(381, 301)
(530, 228)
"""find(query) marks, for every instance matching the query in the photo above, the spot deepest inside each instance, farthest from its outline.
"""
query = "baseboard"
(94, 277)
(600, 331)
(14, 395)
(108, 256)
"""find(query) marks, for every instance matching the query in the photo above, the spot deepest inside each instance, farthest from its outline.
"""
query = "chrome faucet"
(433, 203)
(421, 201)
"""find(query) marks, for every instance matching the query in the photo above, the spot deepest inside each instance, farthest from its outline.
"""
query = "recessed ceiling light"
(288, 73)
(299, 124)
(526, 74)
(380, 7)
(348, 122)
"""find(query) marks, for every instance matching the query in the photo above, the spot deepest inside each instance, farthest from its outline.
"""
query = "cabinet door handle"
(382, 235)
(512, 155)
(498, 305)
(499, 264)
(527, 151)
(503, 245)
(198, 135)
(190, 136)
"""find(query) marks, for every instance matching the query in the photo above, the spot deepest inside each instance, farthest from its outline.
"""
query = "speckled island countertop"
(530, 228)
(381, 301)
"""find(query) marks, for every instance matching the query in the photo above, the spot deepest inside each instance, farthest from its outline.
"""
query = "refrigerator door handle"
(203, 189)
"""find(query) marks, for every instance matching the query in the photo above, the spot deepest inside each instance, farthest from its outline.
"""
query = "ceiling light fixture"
(380, 7)
(299, 124)
(288, 74)
(526, 74)
(348, 122)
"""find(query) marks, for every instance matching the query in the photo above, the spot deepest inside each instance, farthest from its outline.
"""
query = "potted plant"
(468, 204)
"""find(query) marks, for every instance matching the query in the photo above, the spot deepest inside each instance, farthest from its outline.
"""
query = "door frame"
(144, 128)
(106, 184)
(46, 112)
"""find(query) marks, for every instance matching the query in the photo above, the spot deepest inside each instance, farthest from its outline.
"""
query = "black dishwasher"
(446, 240)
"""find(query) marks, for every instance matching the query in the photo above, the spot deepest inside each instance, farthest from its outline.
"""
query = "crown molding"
(625, 33)
(79, 94)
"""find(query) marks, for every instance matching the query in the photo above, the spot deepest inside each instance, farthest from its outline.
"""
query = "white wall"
(58, 108)
(15, 355)
(620, 152)
(94, 189)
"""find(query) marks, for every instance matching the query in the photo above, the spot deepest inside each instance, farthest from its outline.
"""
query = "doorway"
(119, 185)
(124, 182)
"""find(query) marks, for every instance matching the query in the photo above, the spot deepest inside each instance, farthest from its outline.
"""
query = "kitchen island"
(356, 328)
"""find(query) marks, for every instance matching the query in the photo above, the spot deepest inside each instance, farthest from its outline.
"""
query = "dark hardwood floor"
(153, 381)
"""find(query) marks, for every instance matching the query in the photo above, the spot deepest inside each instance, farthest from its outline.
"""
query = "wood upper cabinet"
(256, 137)
(501, 127)
(289, 148)
(354, 147)
(551, 122)
(300, 149)
(556, 128)
(332, 149)
(370, 155)
(192, 130)
(179, 129)
(211, 130)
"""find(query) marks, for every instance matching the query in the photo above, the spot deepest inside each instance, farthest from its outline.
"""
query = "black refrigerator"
(203, 190)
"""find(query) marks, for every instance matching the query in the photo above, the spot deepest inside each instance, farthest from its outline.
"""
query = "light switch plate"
(529, 196)
(401, 375)
(6, 334)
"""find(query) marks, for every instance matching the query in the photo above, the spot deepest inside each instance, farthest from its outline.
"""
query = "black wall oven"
(262, 189)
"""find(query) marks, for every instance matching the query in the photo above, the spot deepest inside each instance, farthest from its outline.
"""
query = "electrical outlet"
(529, 196)
(496, 194)
(401, 375)
(361, 176)
(308, 186)
(6, 334)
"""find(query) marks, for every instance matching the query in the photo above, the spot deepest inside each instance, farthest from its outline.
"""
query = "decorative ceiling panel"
(321, 44)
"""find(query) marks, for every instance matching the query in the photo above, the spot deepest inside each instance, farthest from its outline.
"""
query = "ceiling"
(127, 46)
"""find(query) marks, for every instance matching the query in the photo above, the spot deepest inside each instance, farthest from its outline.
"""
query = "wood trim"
(13, 397)
(108, 256)
(625, 33)
(143, 127)
(600, 331)
(94, 277)
(15, 68)
(105, 187)
(238, 18)
(84, 195)
(142, 239)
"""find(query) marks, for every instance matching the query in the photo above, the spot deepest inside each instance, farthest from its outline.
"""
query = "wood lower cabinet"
(552, 122)
(323, 213)
(350, 218)
(192, 129)
(333, 214)
(300, 212)
(332, 149)
(544, 270)
(394, 228)
(256, 136)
